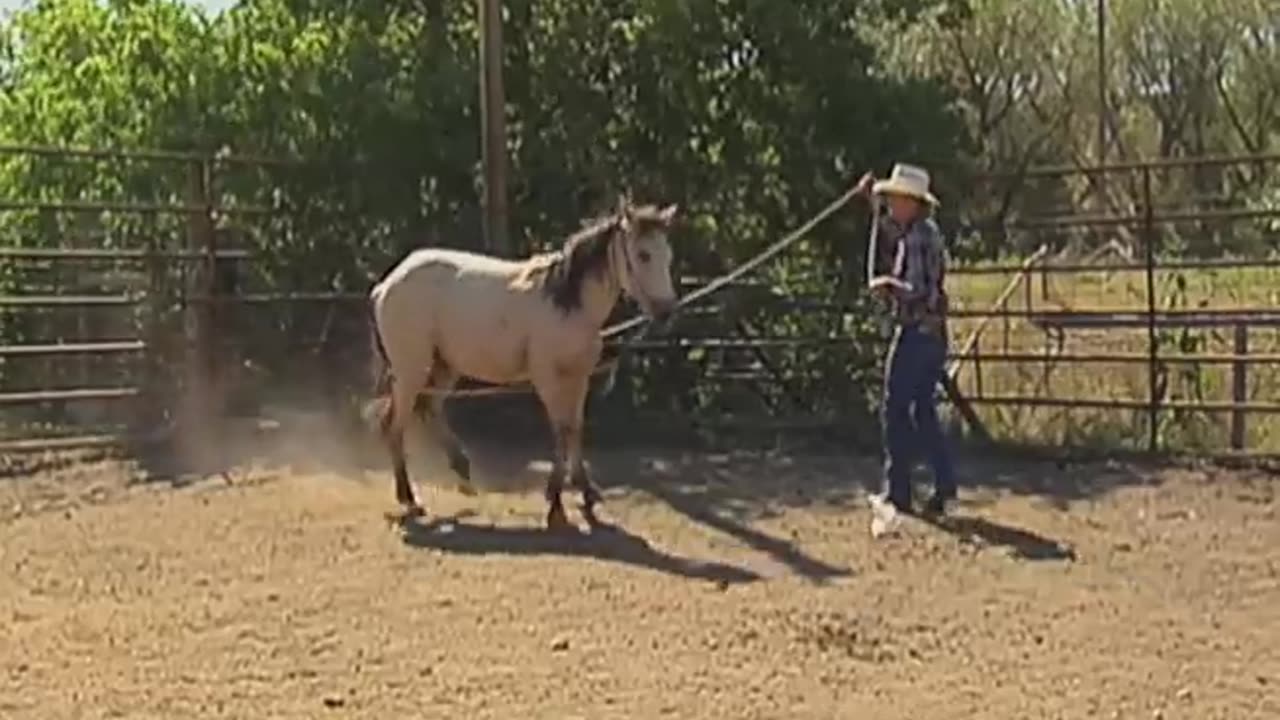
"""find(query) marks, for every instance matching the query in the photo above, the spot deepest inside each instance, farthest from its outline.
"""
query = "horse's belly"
(487, 349)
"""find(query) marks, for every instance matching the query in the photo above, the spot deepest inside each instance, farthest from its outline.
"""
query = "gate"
(1150, 323)
(100, 332)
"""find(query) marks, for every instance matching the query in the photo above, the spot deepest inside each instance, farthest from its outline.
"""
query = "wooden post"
(965, 409)
(977, 375)
(198, 425)
(155, 362)
(493, 124)
(1239, 386)
(1153, 360)
(1102, 86)
(1004, 311)
(1100, 187)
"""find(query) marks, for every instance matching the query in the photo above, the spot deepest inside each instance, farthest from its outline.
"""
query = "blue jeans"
(913, 369)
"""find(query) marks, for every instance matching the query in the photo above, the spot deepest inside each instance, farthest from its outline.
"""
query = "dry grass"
(1252, 288)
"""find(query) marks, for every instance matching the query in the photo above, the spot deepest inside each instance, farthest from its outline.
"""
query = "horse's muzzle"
(661, 309)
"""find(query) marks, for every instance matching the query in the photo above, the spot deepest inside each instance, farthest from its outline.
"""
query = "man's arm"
(886, 246)
(926, 262)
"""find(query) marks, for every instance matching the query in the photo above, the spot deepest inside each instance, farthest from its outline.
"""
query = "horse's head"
(645, 256)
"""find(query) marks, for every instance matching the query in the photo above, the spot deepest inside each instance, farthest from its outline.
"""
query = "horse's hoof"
(461, 465)
(591, 496)
(556, 520)
(589, 515)
(407, 512)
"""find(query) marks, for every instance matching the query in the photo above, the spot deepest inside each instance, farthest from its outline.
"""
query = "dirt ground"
(725, 586)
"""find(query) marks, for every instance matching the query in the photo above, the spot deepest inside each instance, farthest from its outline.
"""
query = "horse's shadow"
(604, 541)
(1021, 543)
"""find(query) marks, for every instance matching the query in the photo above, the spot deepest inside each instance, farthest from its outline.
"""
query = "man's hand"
(863, 187)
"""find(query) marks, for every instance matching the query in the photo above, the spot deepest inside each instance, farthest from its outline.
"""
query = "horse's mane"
(561, 273)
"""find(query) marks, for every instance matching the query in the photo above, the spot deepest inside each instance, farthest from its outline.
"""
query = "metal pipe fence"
(203, 309)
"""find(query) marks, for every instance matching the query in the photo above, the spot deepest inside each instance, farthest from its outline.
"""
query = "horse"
(441, 314)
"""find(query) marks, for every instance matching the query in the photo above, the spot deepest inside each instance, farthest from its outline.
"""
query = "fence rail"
(75, 348)
(127, 255)
(1085, 268)
(71, 395)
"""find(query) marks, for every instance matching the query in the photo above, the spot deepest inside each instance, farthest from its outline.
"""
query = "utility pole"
(493, 127)
(1102, 81)
(1100, 181)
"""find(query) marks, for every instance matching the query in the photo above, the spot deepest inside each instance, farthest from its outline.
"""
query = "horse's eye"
(644, 256)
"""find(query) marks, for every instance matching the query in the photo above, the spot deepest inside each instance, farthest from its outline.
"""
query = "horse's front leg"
(556, 519)
(562, 394)
(578, 476)
(574, 403)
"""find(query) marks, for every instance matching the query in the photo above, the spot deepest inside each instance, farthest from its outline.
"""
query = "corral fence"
(178, 308)
(1149, 322)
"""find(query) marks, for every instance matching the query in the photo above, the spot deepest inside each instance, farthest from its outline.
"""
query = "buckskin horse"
(440, 315)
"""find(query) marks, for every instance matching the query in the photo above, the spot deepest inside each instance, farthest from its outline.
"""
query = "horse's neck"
(599, 294)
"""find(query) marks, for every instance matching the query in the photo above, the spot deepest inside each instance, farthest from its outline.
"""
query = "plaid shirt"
(917, 255)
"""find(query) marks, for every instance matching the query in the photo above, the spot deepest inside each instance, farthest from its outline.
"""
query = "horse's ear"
(668, 213)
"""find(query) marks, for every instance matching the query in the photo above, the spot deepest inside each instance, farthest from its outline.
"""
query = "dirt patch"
(725, 586)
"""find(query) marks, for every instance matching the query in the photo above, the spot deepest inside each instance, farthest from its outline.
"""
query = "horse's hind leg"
(392, 430)
(400, 410)
(443, 380)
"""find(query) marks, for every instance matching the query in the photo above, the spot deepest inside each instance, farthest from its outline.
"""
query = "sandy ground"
(726, 586)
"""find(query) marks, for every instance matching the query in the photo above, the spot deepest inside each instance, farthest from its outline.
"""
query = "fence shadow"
(719, 491)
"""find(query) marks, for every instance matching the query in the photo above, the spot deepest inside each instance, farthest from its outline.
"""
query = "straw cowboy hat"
(909, 180)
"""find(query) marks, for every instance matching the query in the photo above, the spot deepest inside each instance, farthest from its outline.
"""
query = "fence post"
(1026, 292)
(1149, 230)
(155, 358)
(977, 374)
(1239, 386)
(200, 412)
(1004, 312)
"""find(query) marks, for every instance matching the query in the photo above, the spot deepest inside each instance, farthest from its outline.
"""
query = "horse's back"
(443, 264)
(459, 305)
(430, 277)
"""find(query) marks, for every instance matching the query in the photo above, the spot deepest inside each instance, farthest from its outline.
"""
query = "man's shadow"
(1023, 544)
(603, 541)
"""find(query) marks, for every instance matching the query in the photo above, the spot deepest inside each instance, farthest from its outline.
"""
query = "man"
(918, 353)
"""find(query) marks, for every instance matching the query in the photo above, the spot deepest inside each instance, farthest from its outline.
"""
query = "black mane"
(585, 253)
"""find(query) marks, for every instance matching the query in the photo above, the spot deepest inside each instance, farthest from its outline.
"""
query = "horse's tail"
(378, 410)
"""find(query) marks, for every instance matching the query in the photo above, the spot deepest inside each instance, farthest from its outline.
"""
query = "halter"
(627, 279)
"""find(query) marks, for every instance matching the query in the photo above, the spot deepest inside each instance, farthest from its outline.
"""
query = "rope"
(715, 285)
(710, 288)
